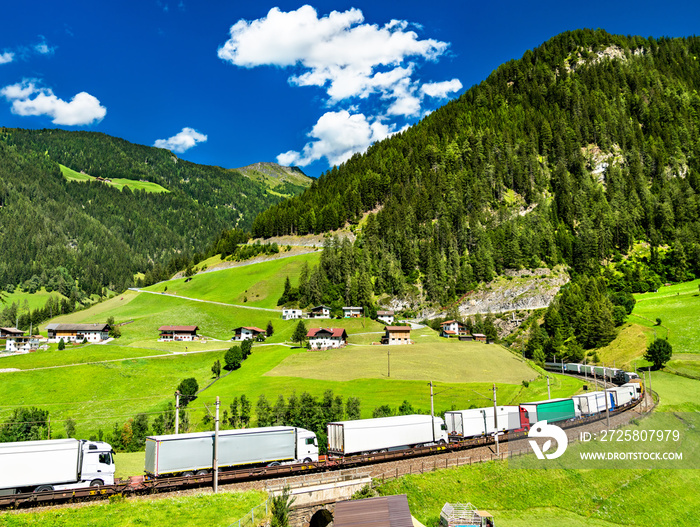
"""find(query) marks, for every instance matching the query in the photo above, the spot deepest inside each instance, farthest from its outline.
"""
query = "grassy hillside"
(120, 183)
(258, 285)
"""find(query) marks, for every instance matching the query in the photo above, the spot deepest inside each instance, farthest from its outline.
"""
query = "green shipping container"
(551, 411)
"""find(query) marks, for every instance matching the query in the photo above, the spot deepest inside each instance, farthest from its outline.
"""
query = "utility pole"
(432, 410)
(177, 412)
(585, 371)
(388, 362)
(650, 394)
(549, 394)
(607, 408)
(216, 448)
(495, 418)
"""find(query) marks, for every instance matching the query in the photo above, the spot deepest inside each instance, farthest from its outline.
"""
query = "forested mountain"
(53, 232)
(571, 154)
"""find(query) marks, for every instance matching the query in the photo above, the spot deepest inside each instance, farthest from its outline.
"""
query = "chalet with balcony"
(178, 333)
(320, 312)
(352, 312)
(78, 332)
(247, 333)
(453, 329)
(325, 338)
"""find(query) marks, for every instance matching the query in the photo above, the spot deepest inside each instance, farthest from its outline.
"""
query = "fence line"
(249, 519)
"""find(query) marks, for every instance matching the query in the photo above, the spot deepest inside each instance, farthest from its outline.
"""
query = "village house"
(290, 314)
(397, 335)
(247, 333)
(78, 332)
(21, 343)
(324, 338)
(385, 316)
(452, 328)
(479, 337)
(352, 312)
(320, 312)
(178, 333)
(10, 332)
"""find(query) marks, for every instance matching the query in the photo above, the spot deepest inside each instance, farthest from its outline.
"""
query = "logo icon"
(542, 429)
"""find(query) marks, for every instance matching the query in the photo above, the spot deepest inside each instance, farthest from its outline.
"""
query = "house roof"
(78, 327)
(178, 328)
(333, 332)
(320, 307)
(397, 328)
(12, 331)
(449, 332)
(351, 307)
(384, 511)
(478, 335)
(385, 313)
(249, 328)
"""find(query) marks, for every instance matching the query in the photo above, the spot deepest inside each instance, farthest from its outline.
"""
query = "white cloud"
(29, 99)
(182, 141)
(6, 57)
(43, 48)
(338, 51)
(356, 63)
(440, 90)
(337, 136)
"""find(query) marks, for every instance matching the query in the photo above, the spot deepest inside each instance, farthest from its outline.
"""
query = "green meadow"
(257, 285)
(33, 301)
(120, 183)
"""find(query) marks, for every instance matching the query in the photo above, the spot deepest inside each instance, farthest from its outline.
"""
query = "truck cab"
(98, 463)
(440, 430)
(307, 446)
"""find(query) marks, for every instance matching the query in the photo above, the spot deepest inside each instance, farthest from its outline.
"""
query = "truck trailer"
(551, 410)
(384, 433)
(193, 453)
(477, 422)
(592, 403)
(59, 464)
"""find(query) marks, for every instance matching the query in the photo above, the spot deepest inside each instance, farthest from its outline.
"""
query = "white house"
(289, 314)
(324, 338)
(386, 316)
(352, 312)
(21, 343)
(320, 312)
(247, 333)
(10, 332)
(452, 328)
(78, 332)
(178, 333)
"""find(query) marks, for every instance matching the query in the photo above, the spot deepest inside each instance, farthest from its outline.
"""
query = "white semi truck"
(384, 433)
(59, 464)
(478, 422)
(193, 453)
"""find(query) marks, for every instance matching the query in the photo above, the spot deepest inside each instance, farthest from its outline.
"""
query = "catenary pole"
(495, 418)
(177, 412)
(216, 448)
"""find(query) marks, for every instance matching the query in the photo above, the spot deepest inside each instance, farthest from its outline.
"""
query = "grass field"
(220, 510)
(34, 300)
(256, 285)
(678, 307)
(120, 183)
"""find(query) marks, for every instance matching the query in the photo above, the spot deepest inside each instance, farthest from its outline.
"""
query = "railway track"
(140, 485)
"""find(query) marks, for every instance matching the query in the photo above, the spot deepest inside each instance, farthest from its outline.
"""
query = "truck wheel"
(274, 464)
(307, 460)
(188, 474)
(96, 483)
(202, 472)
(43, 488)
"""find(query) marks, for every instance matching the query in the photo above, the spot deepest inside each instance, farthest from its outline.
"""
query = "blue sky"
(234, 83)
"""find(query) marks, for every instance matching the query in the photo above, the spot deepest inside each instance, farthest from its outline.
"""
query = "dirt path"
(169, 295)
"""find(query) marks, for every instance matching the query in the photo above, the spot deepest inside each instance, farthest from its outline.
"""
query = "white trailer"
(193, 453)
(384, 433)
(59, 464)
(623, 394)
(590, 403)
(477, 422)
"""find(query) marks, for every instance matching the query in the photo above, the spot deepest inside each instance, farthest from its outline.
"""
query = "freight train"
(192, 454)
(614, 375)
